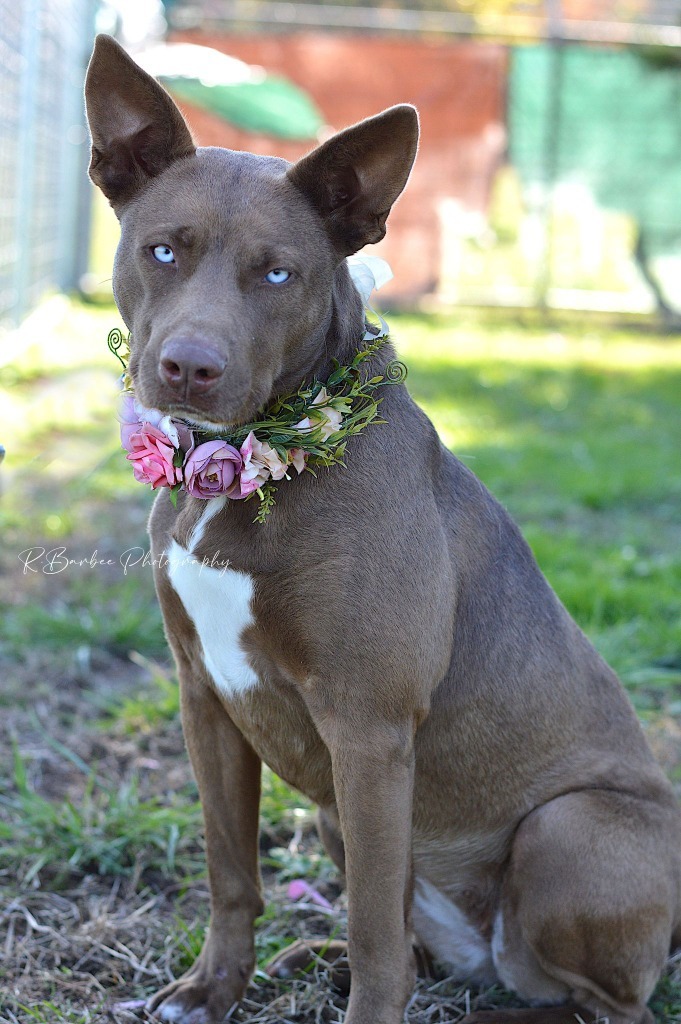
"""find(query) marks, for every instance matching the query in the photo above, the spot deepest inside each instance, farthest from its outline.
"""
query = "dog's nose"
(190, 364)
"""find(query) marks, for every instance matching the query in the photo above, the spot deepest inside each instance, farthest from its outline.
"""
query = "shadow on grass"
(591, 438)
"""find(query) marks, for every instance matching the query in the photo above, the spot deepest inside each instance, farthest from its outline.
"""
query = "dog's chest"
(219, 601)
(270, 714)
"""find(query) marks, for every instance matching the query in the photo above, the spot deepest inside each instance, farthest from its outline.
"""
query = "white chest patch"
(219, 603)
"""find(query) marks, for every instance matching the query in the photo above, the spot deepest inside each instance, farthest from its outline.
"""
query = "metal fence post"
(30, 53)
(74, 228)
(552, 143)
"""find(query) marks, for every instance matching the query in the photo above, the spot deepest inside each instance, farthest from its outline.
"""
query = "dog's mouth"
(194, 423)
(200, 419)
(220, 417)
(196, 419)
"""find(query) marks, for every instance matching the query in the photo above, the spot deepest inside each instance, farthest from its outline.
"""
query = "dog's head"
(225, 268)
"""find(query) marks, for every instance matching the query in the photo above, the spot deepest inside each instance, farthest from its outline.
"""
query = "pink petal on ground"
(299, 888)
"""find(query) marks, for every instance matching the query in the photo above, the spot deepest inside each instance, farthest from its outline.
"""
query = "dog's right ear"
(137, 130)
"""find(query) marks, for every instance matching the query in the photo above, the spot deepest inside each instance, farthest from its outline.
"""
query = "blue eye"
(163, 253)
(278, 276)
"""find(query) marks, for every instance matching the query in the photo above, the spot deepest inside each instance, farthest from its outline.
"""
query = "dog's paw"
(186, 1002)
(212, 986)
(178, 1009)
(175, 1013)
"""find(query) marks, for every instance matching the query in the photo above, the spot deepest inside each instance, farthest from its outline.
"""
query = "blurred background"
(537, 304)
(550, 154)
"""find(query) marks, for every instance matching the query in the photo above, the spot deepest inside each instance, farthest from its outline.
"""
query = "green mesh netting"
(272, 107)
(618, 131)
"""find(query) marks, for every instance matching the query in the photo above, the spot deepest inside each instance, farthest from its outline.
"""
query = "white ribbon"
(369, 273)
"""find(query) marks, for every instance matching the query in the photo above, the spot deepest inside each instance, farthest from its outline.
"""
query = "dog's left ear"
(353, 179)
(137, 131)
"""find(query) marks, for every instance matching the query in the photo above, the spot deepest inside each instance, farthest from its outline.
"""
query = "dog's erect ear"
(353, 179)
(137, 130)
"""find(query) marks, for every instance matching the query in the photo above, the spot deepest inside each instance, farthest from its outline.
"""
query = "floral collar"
(299, 431)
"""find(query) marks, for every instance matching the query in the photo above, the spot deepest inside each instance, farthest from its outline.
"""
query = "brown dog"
(386, 641)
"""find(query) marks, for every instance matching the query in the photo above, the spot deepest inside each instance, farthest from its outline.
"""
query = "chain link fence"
(44, 195)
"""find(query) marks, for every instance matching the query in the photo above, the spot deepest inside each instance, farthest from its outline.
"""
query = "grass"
(116, 619)
(109, 831)
(574, 428)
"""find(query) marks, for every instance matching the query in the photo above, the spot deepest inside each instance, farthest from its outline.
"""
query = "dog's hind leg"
(301, 958)
(589, 905)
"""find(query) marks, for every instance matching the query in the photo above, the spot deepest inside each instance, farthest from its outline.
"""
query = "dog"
(385, 642)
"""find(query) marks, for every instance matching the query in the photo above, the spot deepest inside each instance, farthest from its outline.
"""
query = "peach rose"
(326, 417)
(297, 458)
(255, 471)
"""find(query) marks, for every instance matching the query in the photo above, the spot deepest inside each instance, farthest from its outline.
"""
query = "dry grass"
(89, 949)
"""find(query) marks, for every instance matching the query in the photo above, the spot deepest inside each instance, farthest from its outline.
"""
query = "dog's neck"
(338, 337)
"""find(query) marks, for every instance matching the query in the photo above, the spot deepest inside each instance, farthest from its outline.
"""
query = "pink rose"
(152, 453)
(255, 471)
(211, 469)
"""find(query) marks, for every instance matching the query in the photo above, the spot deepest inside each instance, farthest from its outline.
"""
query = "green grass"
(113, 831)
(143, 711)
(110, 831)
(45, 1011)
(117, 618)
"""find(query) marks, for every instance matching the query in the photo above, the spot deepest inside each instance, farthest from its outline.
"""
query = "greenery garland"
(298, 422)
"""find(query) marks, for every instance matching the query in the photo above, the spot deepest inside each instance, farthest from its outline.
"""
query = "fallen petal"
(299, 888)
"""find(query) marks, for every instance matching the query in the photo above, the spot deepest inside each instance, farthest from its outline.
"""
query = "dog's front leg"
(228, 775)
(373, 773)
